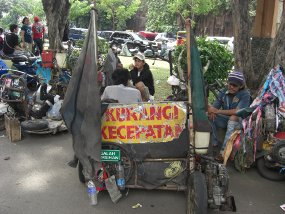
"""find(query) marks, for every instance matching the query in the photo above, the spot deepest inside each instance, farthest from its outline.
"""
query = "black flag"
(81, 108)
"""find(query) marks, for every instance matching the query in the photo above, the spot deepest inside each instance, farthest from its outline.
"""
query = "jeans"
(222, 121)
(39, 42)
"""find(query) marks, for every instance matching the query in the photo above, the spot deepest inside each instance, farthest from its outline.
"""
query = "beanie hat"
(236, 77)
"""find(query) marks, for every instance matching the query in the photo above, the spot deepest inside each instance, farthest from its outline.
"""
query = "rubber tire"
(197, 186)
(32, 86)
(270, 115)
(34, 125)
(275, 151)
(268, 173)
(80, 173)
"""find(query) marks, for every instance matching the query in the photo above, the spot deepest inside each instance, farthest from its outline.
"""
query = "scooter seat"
(20, 58)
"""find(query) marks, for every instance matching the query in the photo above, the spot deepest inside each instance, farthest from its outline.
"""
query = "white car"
(228, 42)
(169, 38)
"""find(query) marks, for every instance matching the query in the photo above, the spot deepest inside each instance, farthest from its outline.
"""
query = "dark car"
(133, 40)
(77, 33)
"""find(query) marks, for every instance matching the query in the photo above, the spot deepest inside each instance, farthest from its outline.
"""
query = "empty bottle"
(112, 188)
(121, 182)
(92, 192)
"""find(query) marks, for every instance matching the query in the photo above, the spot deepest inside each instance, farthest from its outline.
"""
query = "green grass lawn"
(162, 88)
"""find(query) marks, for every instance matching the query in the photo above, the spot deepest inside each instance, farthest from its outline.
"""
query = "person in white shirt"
(120, 91)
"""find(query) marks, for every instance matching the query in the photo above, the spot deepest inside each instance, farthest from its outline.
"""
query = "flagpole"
(95, 28)
(191, 131)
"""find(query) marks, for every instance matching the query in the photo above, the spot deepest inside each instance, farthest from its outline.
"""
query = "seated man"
(229, 101)
(141, 72)
(11, 44)
(120, 91)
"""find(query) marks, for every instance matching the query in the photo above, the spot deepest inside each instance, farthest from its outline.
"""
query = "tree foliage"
(79, 15)
(12, 11)
(118, 11)
(165, 20)
(219, 58)
(172, 13)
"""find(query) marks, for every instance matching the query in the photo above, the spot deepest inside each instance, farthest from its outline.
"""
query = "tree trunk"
(276, 54)
(113, 19)
(56, 14)
(242, 43)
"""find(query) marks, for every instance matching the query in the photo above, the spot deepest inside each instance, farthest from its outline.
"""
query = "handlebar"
(21, 72)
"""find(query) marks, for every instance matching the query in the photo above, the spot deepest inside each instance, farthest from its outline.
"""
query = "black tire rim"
(267, 172)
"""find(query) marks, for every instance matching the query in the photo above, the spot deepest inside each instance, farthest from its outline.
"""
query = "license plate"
(110, 155)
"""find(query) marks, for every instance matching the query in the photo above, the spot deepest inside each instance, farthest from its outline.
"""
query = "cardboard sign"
(143, 123)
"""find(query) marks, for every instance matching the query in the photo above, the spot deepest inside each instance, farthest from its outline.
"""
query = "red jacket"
(38, 30)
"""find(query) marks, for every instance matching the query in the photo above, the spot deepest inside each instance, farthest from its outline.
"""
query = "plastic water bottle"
(92, 192)
(121, 182)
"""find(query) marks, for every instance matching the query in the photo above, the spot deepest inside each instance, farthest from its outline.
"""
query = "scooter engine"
(217, 182)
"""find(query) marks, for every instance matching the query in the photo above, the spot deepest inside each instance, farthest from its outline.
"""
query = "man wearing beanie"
(223, 112)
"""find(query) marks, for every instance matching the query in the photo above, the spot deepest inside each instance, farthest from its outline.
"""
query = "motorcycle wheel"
(197, 197)
(268, 173)
(32, 86)
(278, 152)
(80, 173)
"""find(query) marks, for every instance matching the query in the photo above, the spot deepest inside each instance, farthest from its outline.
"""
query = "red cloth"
(38, 30)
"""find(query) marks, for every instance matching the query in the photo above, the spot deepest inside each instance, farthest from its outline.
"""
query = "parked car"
(77, 33)
(105, 34)
(227, 42)
(169, 38)
(118, 38)
(148, 35)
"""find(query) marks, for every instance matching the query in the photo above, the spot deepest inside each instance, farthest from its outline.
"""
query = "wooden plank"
(13, 128)
(265, 19)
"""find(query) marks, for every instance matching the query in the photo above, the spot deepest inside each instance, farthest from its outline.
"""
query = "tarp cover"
(199, 107)
(109, 67)
(81, 108)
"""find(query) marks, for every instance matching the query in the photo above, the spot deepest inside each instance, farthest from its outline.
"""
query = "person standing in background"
(26, 35)
(38, 34)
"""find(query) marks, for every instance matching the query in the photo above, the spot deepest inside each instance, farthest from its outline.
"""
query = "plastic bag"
(54, 112)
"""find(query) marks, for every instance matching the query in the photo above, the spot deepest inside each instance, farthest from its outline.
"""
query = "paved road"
(36, 180)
